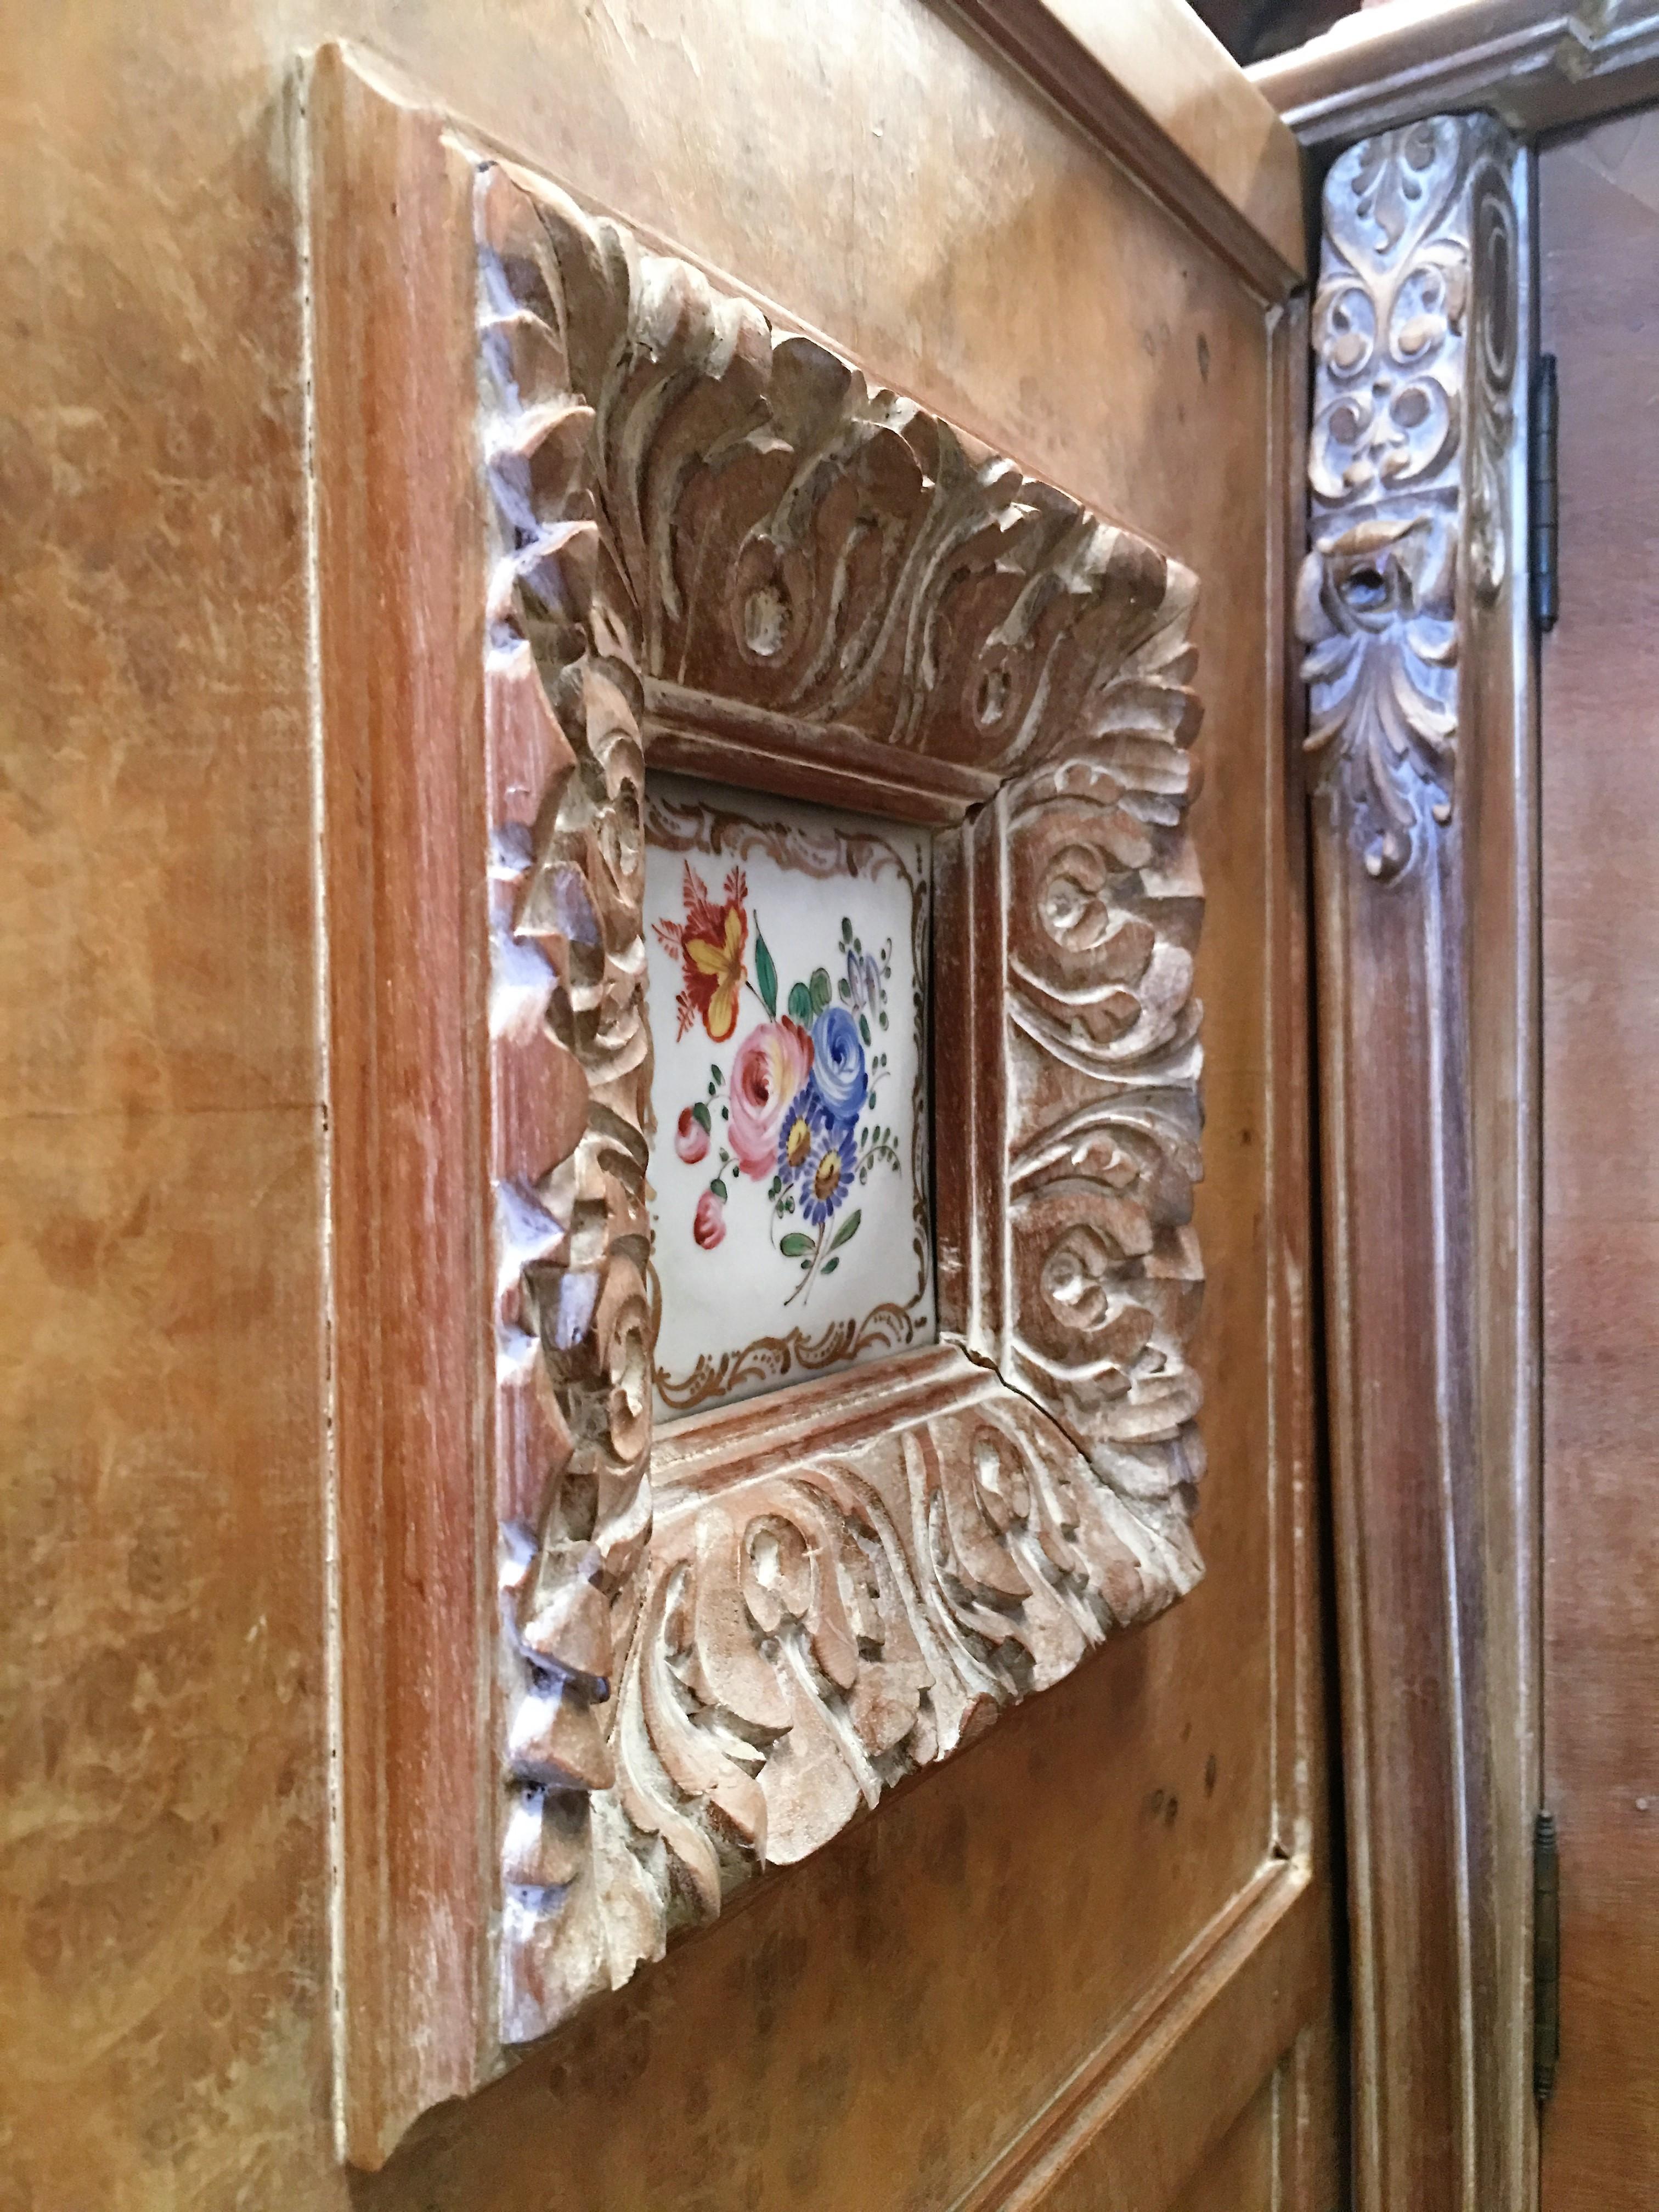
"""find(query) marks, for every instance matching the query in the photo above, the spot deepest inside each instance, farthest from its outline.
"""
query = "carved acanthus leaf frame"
(717, 546)
(1414, 342)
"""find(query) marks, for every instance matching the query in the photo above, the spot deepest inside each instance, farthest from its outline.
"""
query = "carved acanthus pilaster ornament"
(704, 524)
(1414, 337)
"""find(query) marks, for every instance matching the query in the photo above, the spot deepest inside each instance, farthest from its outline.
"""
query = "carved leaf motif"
(719, 1681)
(814, 1634)
(1390, 316)
(1378, 606)
(1104, 908)
(571, 1063)
(789, 534)
(1413, 333)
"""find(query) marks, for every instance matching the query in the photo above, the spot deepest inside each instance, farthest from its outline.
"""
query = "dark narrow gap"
(1252, 30)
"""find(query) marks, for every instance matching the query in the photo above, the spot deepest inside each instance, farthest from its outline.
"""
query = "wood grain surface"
(873, 2028)
(1598, 237)
(1164, 90)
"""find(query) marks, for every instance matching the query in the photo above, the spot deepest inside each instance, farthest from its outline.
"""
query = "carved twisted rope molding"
(1414, 342)
(708, 532)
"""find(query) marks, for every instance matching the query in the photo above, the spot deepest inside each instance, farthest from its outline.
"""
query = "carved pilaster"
(1414, 611)
(1414, 337)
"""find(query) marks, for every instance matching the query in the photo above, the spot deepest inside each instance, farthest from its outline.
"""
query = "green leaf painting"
(766, 976)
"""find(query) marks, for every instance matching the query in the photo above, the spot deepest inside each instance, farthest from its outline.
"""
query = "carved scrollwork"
(1104, 908)
(690, 506)
(813, 1632)
(1415, 333)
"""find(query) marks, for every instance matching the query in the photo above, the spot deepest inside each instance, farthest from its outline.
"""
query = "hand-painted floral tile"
(788, 954)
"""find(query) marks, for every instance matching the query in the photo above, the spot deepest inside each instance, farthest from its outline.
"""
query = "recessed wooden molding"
(1200, 2043)
(1536, 64)
(1413, 605)
(580, 1700)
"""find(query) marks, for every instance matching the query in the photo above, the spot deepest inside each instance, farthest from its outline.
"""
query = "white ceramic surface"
(788, 956)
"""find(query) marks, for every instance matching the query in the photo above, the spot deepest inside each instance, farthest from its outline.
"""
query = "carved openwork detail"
(1414, 337)
(704, 525)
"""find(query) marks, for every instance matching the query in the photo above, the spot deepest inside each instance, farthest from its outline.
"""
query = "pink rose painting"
(773, 1064)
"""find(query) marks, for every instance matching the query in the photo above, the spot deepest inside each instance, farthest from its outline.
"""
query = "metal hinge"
(1543, 498)
(1545, 1956)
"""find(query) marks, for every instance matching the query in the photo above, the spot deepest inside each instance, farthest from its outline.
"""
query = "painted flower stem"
(806, 1282)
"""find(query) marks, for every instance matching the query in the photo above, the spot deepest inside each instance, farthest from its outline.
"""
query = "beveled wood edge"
(699, 733)
(1059, 749)
(1253, 1983)
(1158, 112)
(367, 2134)
(1201, 2043)
(831, 1412)
(1539, 64)
(1264, 274)
(1303, 1719)
(731, 1444)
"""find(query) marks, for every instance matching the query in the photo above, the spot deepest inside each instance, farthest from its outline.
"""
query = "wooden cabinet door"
(1083, 1961)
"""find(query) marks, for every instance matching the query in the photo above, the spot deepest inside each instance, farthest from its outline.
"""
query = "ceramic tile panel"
(788, 965)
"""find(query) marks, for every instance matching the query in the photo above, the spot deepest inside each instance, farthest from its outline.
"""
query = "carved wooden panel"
(715, 543)
(662, 1656)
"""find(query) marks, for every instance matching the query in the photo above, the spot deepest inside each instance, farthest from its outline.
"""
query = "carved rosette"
(1414, 332)
(844, 1582)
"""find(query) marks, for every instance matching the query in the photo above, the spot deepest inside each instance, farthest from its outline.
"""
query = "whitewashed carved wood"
(1415, 350)
(717, 545)
(1082, 1271)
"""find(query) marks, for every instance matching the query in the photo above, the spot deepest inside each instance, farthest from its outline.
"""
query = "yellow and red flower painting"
(710, 942)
